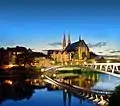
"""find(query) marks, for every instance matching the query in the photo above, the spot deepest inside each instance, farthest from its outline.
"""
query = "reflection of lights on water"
(54, 86)
(65, 90)
(9, 82)
(27, 80)
(43, 83)
(35, 80)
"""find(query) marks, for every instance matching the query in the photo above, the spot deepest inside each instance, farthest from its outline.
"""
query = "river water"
(36, 92)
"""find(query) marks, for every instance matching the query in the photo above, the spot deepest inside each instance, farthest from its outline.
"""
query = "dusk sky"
(40, 24)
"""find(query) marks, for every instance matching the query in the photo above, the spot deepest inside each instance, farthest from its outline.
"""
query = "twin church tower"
(64, 41)
(78, 48)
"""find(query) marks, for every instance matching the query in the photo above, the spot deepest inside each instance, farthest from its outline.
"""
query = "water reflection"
(82, 81)
(19, 89)
(24, 90)
(16, 91)
(92, 80)
(68, 100)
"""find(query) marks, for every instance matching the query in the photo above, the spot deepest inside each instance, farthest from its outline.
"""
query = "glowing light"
(42, 70)
(9, 82)
(94, 62)
(77, 63)
(54, 75)
(42, 76)
(53, 62)
(66, 63)
(85, 62)
(65, 90)
(108, 61)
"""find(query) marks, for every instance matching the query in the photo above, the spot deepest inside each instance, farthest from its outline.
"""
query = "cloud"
(115, 51)
(55, 44)
(99, 44)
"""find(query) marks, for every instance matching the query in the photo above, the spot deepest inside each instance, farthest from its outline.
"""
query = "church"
(76, 51)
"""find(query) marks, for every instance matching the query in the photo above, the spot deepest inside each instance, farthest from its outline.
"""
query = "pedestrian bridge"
(101, 97)
(108, 67)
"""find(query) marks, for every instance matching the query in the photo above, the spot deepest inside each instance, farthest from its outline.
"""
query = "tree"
(115, 98)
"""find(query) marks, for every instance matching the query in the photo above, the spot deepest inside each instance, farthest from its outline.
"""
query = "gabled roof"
(73, 46)
(17, 49)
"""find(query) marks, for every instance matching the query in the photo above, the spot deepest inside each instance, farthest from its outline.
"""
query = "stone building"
(75, 51)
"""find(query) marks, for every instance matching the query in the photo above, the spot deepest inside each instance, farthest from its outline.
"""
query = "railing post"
(95, 66)
(117, 68)
(100, 67)
(106, 68)
(113, 69)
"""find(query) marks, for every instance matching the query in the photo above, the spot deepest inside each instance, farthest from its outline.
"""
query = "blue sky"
(40, 24)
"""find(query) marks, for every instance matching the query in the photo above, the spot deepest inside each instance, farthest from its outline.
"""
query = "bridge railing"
(108, 67)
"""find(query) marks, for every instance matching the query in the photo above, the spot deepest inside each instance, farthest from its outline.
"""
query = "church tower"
(69, 41)
(80, 38)
(80, 48)
(64, 42)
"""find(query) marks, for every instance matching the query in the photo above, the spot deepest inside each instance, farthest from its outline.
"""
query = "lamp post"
(108, 61)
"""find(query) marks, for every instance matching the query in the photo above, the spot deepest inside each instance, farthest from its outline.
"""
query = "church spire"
(80, 38)
(69, 41)
(64, 41)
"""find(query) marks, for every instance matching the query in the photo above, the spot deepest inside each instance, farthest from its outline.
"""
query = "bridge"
(107, 67)
(101, 97)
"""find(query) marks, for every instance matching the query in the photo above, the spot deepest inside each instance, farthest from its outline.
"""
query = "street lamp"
(108, 61)
(54, 75)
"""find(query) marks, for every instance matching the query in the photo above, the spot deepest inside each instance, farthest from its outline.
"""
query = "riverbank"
(19, 71)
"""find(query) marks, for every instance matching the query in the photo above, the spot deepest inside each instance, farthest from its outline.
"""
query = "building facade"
(76, 51)
(8, 56)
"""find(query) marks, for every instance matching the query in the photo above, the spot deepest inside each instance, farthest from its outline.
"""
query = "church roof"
(73, 46)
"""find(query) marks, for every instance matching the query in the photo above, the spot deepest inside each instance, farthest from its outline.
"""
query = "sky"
(40, 24)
